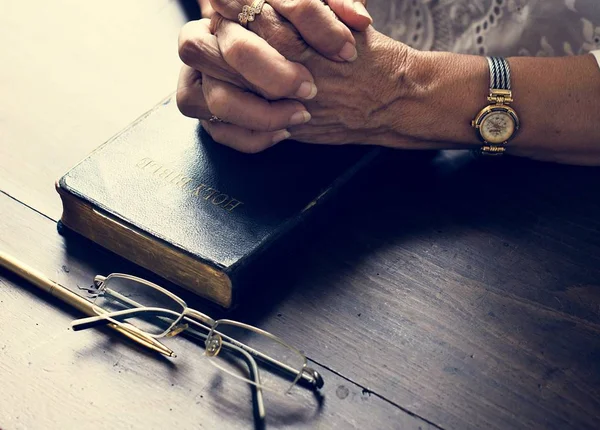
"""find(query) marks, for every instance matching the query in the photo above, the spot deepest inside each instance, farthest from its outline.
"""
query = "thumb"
(353, 13)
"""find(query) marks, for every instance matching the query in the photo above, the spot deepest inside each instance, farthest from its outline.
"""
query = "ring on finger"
(249, 13)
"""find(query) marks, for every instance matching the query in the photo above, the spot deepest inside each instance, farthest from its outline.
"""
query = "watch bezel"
(486, 111)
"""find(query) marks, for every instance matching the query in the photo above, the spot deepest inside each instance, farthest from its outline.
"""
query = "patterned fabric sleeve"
(492, 27)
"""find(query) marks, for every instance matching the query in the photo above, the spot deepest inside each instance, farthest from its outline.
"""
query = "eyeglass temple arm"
(254, 375)
(252, 370)
(308, 375)
(100, 320)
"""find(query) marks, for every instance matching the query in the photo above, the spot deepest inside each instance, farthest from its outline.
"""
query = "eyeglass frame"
(307, 374)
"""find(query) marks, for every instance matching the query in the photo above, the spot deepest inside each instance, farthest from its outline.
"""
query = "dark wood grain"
(53, 377)
(471, 308)
(384, 303)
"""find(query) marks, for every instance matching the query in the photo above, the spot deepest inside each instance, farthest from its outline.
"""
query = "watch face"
(497, 127)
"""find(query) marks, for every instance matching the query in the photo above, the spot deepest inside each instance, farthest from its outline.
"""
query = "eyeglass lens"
(121, 293)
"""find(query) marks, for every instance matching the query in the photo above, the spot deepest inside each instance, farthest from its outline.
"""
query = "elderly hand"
(260, 102)
(391, 95)
(206, 78)
(314, 21)
(364, 101)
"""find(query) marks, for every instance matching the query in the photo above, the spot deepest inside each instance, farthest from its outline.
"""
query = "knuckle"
(189, 50)
(183, 102)
(286, 40)
(217, 101)
(224, 7)
(187, 104)
(296, 8)
(324, 32)
(192, 45)
(185, 43)
(185, 31)
(285, 85)
(189, 97)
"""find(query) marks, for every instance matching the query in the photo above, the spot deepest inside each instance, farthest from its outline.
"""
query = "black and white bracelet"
(499, 73)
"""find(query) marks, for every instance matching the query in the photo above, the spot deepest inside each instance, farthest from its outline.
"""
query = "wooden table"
(435, 296)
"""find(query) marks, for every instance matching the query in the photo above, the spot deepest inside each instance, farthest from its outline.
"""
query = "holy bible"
(165, 196)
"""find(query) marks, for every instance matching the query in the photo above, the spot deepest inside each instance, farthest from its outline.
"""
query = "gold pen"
(41, 281)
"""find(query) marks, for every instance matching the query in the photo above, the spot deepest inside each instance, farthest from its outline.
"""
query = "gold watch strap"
(500, 97)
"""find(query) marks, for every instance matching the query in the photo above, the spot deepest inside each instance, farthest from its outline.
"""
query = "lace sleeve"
(492, 27)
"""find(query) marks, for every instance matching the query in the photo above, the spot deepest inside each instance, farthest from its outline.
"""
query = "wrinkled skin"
(251, 79)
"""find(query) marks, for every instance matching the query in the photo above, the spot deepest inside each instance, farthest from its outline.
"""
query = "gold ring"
(249, 13)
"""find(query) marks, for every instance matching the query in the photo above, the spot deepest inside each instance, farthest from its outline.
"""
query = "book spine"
(159, 257)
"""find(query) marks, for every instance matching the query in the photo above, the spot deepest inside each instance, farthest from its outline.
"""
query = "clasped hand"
(297, 71)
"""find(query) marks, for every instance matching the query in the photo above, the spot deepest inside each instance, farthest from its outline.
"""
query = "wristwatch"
(497, 123)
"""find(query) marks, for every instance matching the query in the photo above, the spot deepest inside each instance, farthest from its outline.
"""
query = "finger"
(199, 49)
(205, 8)
(190, 97)
(242, 139)
(261, 64)
(319, 27)
(352, 12)
(245, 109)
(313, 20)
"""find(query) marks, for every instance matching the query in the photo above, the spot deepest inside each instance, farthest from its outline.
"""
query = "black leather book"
(164, 195)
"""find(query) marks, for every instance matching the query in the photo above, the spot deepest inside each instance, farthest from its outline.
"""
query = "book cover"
(165, 196)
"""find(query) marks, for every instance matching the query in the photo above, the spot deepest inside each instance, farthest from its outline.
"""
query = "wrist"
(441, 93)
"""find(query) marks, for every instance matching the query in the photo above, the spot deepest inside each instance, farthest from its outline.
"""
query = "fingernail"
(279, 136)
(348, 52)
(307, 90)
(361, 10)
(301, 117)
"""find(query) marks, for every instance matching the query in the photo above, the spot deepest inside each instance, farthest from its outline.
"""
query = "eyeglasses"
(142, 306)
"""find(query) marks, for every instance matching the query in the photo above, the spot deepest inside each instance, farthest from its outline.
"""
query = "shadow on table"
(408, 196)
(403, 195)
